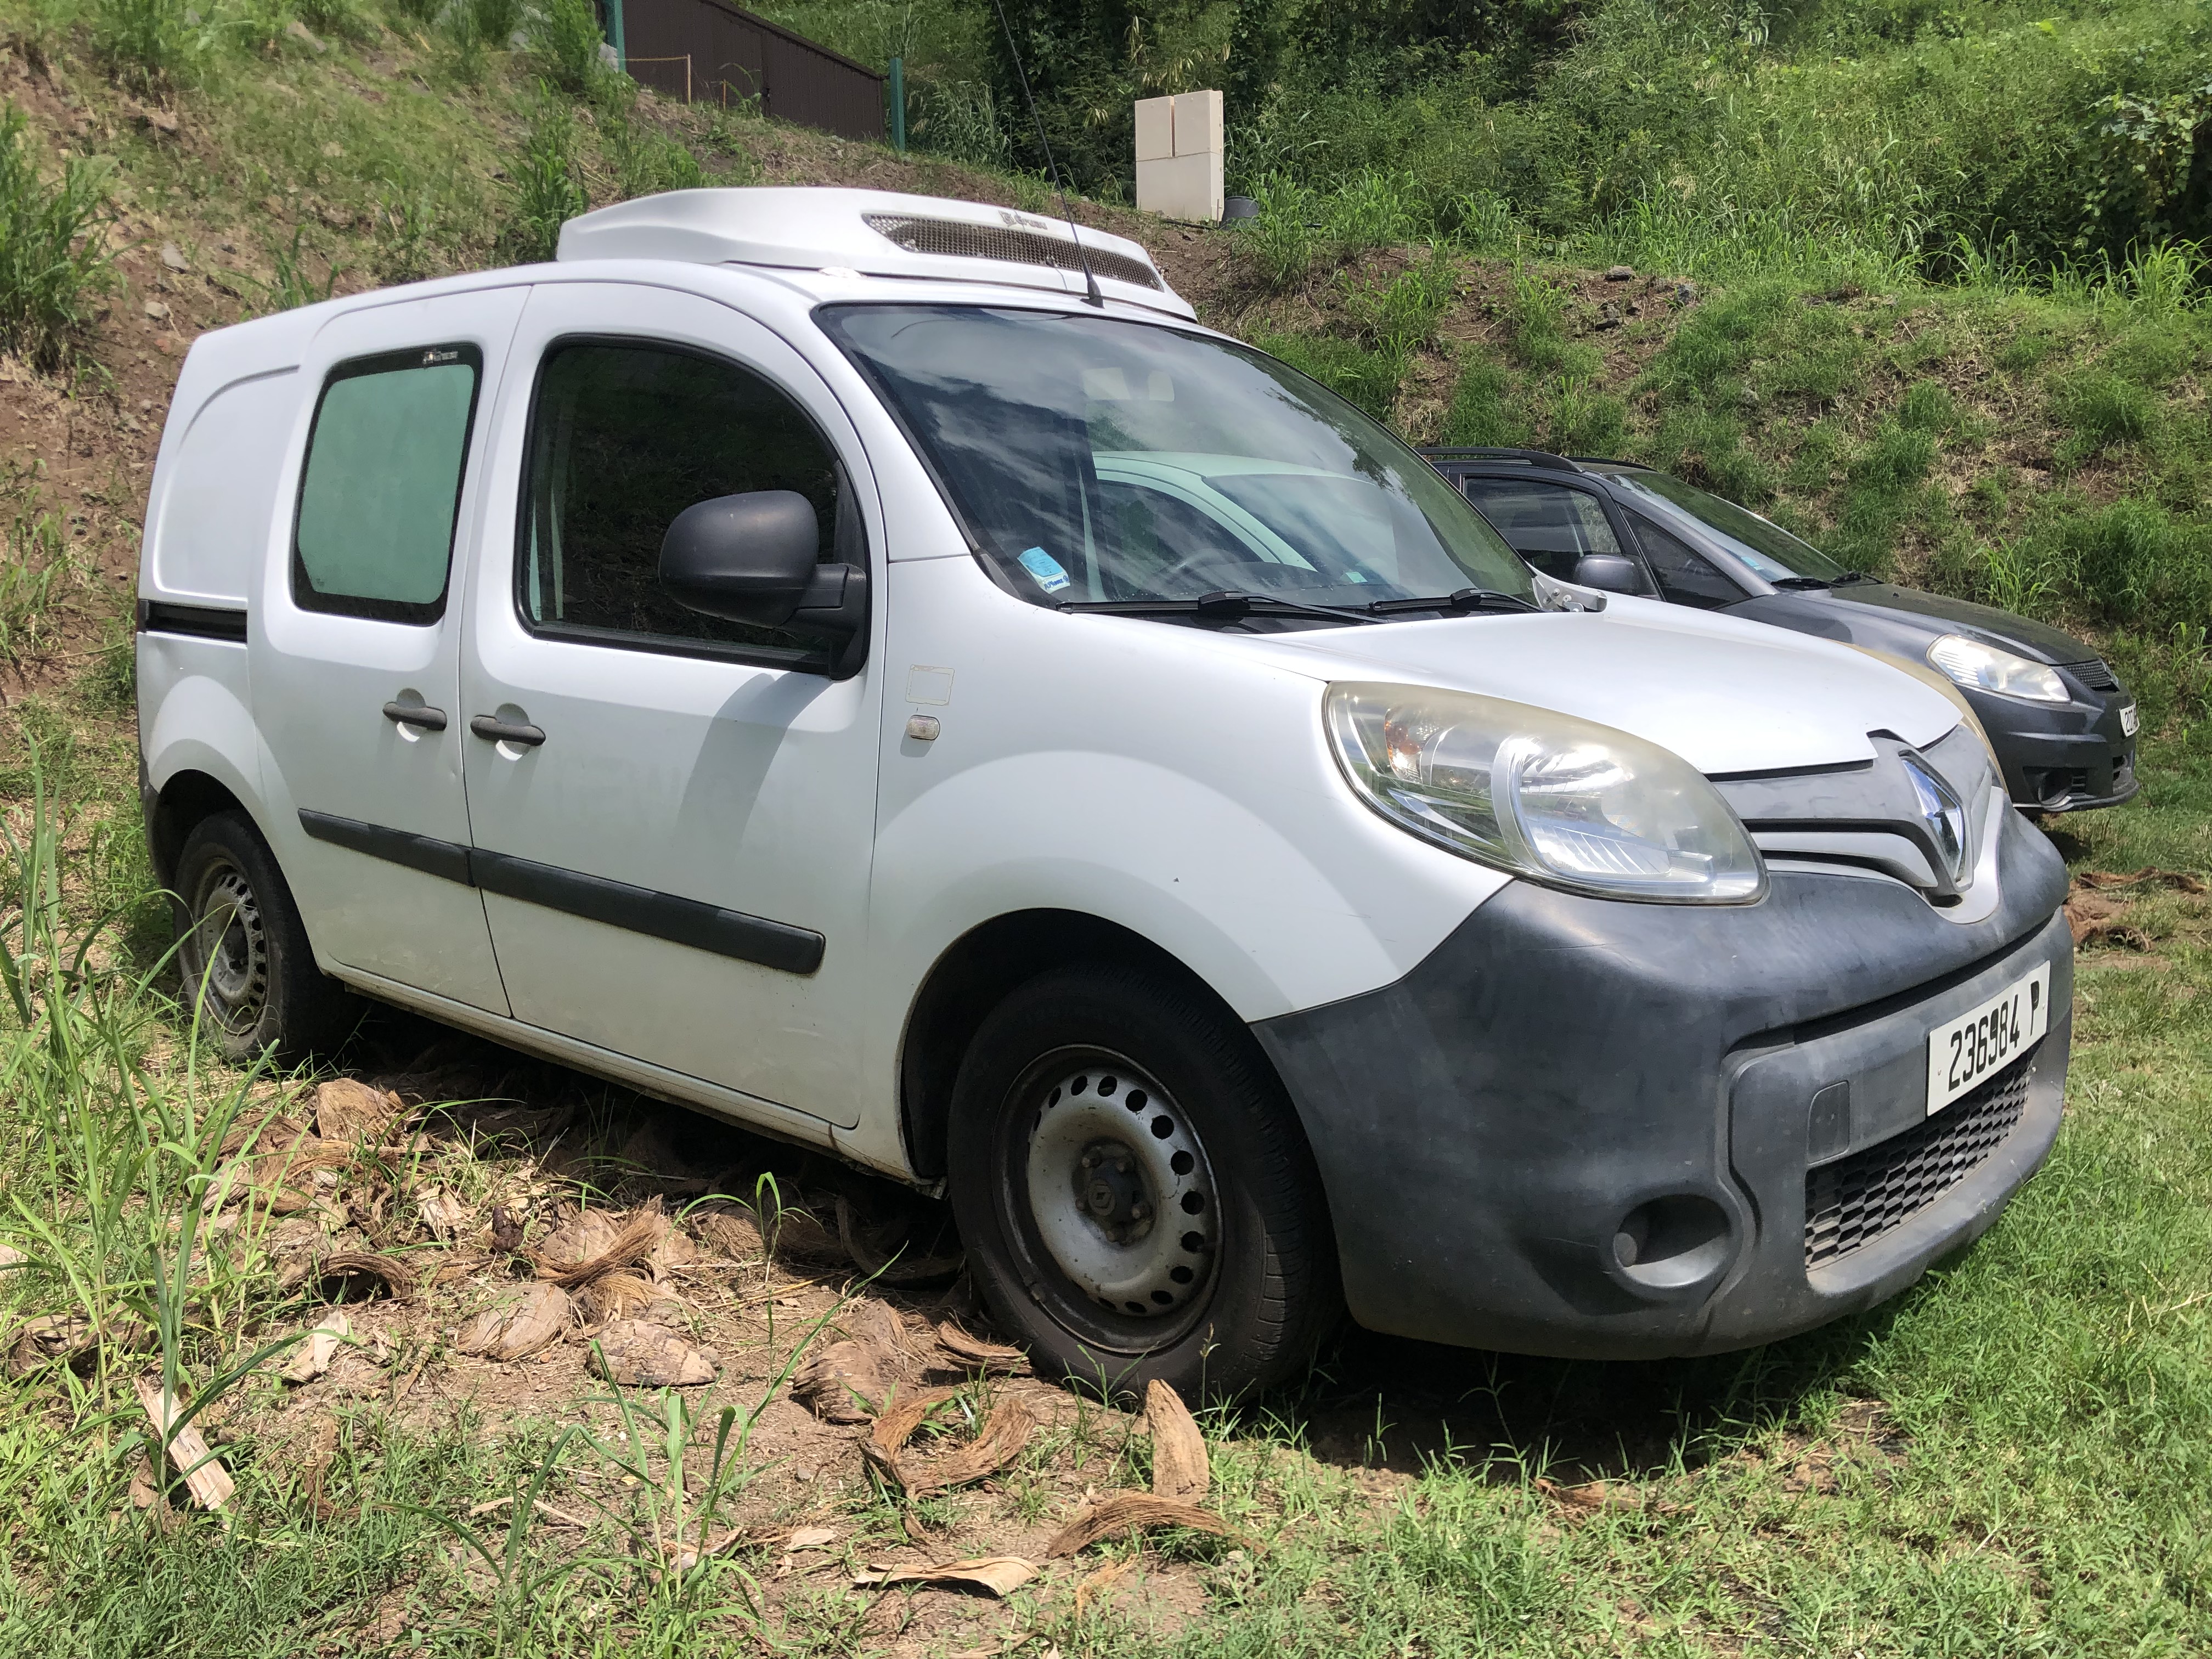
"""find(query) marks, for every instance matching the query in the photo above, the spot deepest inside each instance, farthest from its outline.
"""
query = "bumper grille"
(2095, 673)
(1856, 1200)
(1022, 247)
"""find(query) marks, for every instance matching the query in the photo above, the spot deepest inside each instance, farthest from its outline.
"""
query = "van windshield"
(1094, 459)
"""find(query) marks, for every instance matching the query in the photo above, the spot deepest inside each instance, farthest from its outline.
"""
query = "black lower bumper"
(2065, 759)
(1583, 1128)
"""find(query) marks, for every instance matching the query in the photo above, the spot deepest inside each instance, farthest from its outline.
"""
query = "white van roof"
(876, 233)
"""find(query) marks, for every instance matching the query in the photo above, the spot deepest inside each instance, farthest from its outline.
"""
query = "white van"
(810, 655)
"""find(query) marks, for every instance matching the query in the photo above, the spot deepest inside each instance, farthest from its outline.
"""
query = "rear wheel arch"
(176, 808)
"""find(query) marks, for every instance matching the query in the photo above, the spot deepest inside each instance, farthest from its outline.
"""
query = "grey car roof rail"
(1532, 457)
(1611, 461)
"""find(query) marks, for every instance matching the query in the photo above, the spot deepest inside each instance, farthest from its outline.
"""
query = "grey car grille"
(1856, 1200)
(2096, 674)
(1008, 245)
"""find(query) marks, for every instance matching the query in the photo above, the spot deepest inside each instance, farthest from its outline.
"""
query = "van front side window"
(623, 437)
(382, 488)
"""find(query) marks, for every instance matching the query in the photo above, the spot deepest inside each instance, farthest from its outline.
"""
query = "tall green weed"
(54, 257)
(547, 182)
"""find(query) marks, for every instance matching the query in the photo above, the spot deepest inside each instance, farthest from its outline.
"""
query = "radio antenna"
(1091, 294)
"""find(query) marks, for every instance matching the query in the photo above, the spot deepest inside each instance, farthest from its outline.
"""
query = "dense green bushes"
(1861, 140)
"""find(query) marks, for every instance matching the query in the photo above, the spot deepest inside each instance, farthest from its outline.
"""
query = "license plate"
(1985, 1039)
(2128, 721)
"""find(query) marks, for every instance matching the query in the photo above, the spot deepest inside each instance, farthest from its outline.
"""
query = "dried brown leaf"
(1592, 1495)
(313, 1357)
(2180, 880)
(973, 1353)
(348, 1111)
(848, 1381)
(999, 1575)
(733, 1233)
(443, 1214)
(1180, 1469)
(637, 1354)
(617, 1295)
(568, 1260)
(844, 1382)
(209, 1482)
(1096, 1585)
(517, 1325)
(349, 1266)
(1003, 1434)
(1124, 1512)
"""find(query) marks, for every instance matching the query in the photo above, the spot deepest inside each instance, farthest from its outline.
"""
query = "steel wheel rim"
(229, 955)
(1118, 1189)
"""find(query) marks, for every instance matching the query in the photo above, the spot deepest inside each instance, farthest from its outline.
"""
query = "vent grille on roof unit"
(2095, 674)
(1011, 246)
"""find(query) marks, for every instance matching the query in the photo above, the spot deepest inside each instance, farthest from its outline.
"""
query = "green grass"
(54, 259)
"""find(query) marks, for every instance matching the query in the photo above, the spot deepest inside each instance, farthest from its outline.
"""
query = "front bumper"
(2061, 757)
(1563, 1070)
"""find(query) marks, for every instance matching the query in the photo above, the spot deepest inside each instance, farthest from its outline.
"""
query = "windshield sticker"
(1050, 574)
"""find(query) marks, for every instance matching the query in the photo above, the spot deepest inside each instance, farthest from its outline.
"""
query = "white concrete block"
(1155, 129)
(1182, 187)
(1198, 124)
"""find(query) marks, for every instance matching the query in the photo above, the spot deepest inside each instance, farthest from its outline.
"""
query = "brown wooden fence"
(710, 51)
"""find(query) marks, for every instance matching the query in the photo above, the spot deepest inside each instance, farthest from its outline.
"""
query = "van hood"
(1726, 696)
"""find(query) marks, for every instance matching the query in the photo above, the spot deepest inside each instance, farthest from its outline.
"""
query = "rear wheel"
(243, 952)
(1134, 1190)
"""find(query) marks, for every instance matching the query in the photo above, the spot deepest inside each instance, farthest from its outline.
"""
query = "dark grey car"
(2063, 726)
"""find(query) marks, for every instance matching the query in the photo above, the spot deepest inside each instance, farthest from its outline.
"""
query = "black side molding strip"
(432, 857)
(200, 621)
(641, 909)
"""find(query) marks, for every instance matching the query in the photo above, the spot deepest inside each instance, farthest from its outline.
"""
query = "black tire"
(242, 950)
(1207, 1132)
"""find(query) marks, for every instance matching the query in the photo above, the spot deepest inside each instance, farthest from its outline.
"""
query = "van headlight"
(1558, 800)
(1984, 668)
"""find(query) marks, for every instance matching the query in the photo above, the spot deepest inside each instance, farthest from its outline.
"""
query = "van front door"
(674, 813)
(354, 650)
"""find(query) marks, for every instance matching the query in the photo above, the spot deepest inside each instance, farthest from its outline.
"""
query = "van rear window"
(382, 488)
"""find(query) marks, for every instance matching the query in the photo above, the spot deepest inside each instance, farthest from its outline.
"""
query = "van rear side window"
(382, 489)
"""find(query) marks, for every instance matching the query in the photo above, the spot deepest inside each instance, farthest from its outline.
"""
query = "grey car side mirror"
(1610, 573)
(749, 558)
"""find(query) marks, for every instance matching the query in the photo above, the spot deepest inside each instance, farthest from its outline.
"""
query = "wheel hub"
(233, 954)
(1120, 1190)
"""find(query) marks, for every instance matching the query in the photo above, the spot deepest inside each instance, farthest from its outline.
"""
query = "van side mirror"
(1610, 573)
(749, 558)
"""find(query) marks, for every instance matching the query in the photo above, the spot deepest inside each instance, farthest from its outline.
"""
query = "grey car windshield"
(1093, 459)
(1772, 552)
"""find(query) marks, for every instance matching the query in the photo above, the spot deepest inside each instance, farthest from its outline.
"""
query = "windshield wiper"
(1843, 581)
(1461, 602)
(1229, 606)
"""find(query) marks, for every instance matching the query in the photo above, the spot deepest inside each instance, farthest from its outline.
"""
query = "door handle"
(416, 713)
(492, 729)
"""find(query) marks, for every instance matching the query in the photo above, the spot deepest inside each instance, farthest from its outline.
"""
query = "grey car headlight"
(1560, 800)
(1982, 667)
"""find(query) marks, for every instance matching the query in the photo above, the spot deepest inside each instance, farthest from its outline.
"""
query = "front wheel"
(1134, 1190)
